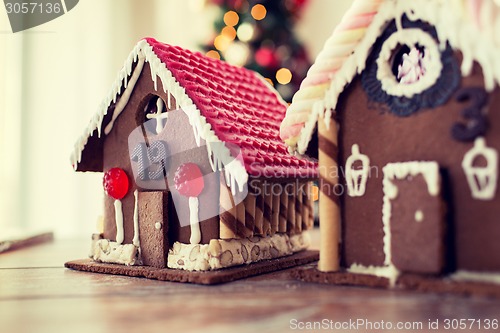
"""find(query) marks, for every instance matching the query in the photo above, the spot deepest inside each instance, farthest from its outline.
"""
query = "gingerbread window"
(408, 70)
(153, 114)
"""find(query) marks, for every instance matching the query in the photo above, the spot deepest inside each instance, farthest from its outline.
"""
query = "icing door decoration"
(356, 178)
(482, 179)
(152, 215)
(414, 220)
(115, 183)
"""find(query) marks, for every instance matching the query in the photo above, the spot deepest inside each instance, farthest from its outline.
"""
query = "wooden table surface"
(37, 294)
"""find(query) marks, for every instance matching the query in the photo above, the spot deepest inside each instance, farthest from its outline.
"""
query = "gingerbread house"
(196, 177)
(400, 108)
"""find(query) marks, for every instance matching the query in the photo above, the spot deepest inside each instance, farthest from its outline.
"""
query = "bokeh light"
(221, 42)
(231, 18)
(229, 32)
(258, 12)
(237, 53)
(283, 75)
(213, 54)
(246, 32)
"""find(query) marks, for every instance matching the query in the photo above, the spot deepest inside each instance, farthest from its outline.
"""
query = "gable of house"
(466, 25)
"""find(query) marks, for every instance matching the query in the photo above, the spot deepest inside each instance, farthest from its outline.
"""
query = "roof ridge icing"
(467, 25)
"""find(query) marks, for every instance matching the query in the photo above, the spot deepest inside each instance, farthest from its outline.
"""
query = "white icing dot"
(158, 225)
(419, 216)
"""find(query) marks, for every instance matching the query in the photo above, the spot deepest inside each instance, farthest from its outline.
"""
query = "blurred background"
(53, 77)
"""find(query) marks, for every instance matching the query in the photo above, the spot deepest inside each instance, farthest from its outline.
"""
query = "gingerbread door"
(414, 217)
(153, 228)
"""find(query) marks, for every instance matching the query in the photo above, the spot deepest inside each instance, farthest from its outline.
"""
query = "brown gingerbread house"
(195, 175)
(400, 106)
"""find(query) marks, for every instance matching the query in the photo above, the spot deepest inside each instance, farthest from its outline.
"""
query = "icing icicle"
(125, 96)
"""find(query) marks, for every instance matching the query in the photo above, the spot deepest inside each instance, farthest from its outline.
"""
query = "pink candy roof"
(241, 108)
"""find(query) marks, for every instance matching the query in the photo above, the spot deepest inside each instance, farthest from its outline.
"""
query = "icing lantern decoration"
(189, 182)
(482, 179)
(116, 185)
(356, 178)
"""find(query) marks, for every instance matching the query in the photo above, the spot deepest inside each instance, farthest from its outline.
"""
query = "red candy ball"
(115, 183)
(188, 180)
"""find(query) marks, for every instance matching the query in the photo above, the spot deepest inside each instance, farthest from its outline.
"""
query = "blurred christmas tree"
(259, 35)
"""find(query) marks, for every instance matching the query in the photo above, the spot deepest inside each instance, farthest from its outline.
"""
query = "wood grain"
(38, 295)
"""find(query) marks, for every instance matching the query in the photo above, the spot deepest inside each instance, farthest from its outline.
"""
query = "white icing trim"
(411, 38)
(194, 221)
(428, 169)
(487, 277)
(136, 241)
(453, 25)
(390, 272)
(482, 180)
(119, 221)
(356, 178)
(235, 172)
(129, 88)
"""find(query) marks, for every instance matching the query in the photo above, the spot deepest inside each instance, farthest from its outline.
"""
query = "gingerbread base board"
(206, 278)
(310, 273)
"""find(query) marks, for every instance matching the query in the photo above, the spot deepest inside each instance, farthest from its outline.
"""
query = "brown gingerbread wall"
(473, 226)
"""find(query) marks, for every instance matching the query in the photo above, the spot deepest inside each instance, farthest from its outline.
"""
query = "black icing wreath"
(436, 95)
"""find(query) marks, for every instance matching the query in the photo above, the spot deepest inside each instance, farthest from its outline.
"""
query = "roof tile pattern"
(241, 108)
